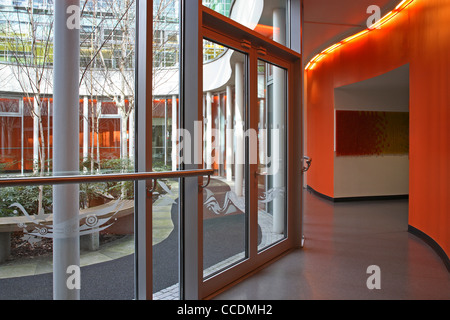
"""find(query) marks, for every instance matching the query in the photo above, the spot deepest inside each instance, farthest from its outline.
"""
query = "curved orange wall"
(420, 36)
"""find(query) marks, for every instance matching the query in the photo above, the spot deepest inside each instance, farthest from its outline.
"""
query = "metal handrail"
(77, 179)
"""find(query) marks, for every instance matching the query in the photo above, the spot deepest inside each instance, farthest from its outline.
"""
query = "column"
(229, 150)
(174, 133)
(262, 133)
(123, 132)
(278, 137)
(131, 136)
(143, 160)
(3, 136)
(97, 136)
(189, 116)
(66, 242)
(239, 130)
(208, 135)
(85, 128)
(36, 117)
(165, 131)
(279, 25)
(22, 162)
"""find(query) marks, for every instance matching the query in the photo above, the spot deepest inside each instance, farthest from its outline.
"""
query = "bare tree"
(113, 51)
(29, 44)
(107, 62)
(110, 69)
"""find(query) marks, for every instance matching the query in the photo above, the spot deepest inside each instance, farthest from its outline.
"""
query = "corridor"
(341, 241)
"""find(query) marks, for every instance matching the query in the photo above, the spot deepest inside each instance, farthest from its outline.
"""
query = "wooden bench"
(98, 217)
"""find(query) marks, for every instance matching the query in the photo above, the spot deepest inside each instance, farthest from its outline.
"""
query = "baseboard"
(320, 195)
(432, 243)
(362, 198)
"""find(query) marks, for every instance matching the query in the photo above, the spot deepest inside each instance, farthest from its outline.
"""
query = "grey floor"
(341, 241)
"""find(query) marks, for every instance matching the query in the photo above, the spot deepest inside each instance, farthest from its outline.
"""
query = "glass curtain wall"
(106, 145)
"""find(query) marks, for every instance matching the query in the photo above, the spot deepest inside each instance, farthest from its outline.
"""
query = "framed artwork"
(364, 133)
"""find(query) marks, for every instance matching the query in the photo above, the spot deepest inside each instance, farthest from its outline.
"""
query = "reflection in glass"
(267, 17)
(272, 153)
(106, 229)
(224, 203)
(106, 88)
(221, 6)
(166, 240)
(106, 145)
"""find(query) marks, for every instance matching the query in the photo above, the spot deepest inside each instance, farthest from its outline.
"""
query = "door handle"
(308, 161)
(207, 183)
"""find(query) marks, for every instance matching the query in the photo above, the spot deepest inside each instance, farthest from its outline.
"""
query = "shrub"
(27, 196)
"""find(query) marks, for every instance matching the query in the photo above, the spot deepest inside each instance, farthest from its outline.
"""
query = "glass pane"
(107, 108)
(272, 138)
(221, 6)
(224, 203)
(166, 240)
(106, 237)
(267, 17)
(107, 104)
(165, 125)
(106, 145)
(10, 136)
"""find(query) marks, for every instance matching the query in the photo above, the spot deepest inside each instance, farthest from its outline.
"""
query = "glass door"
(249, 206)
(225, 201)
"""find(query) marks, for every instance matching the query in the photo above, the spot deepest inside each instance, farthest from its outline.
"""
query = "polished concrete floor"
(341, 241)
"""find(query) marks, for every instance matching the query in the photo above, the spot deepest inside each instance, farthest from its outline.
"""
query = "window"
(268, 17)
(105, 120)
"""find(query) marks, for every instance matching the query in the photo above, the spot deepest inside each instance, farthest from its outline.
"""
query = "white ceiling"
(328, 21)
(386, 92)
